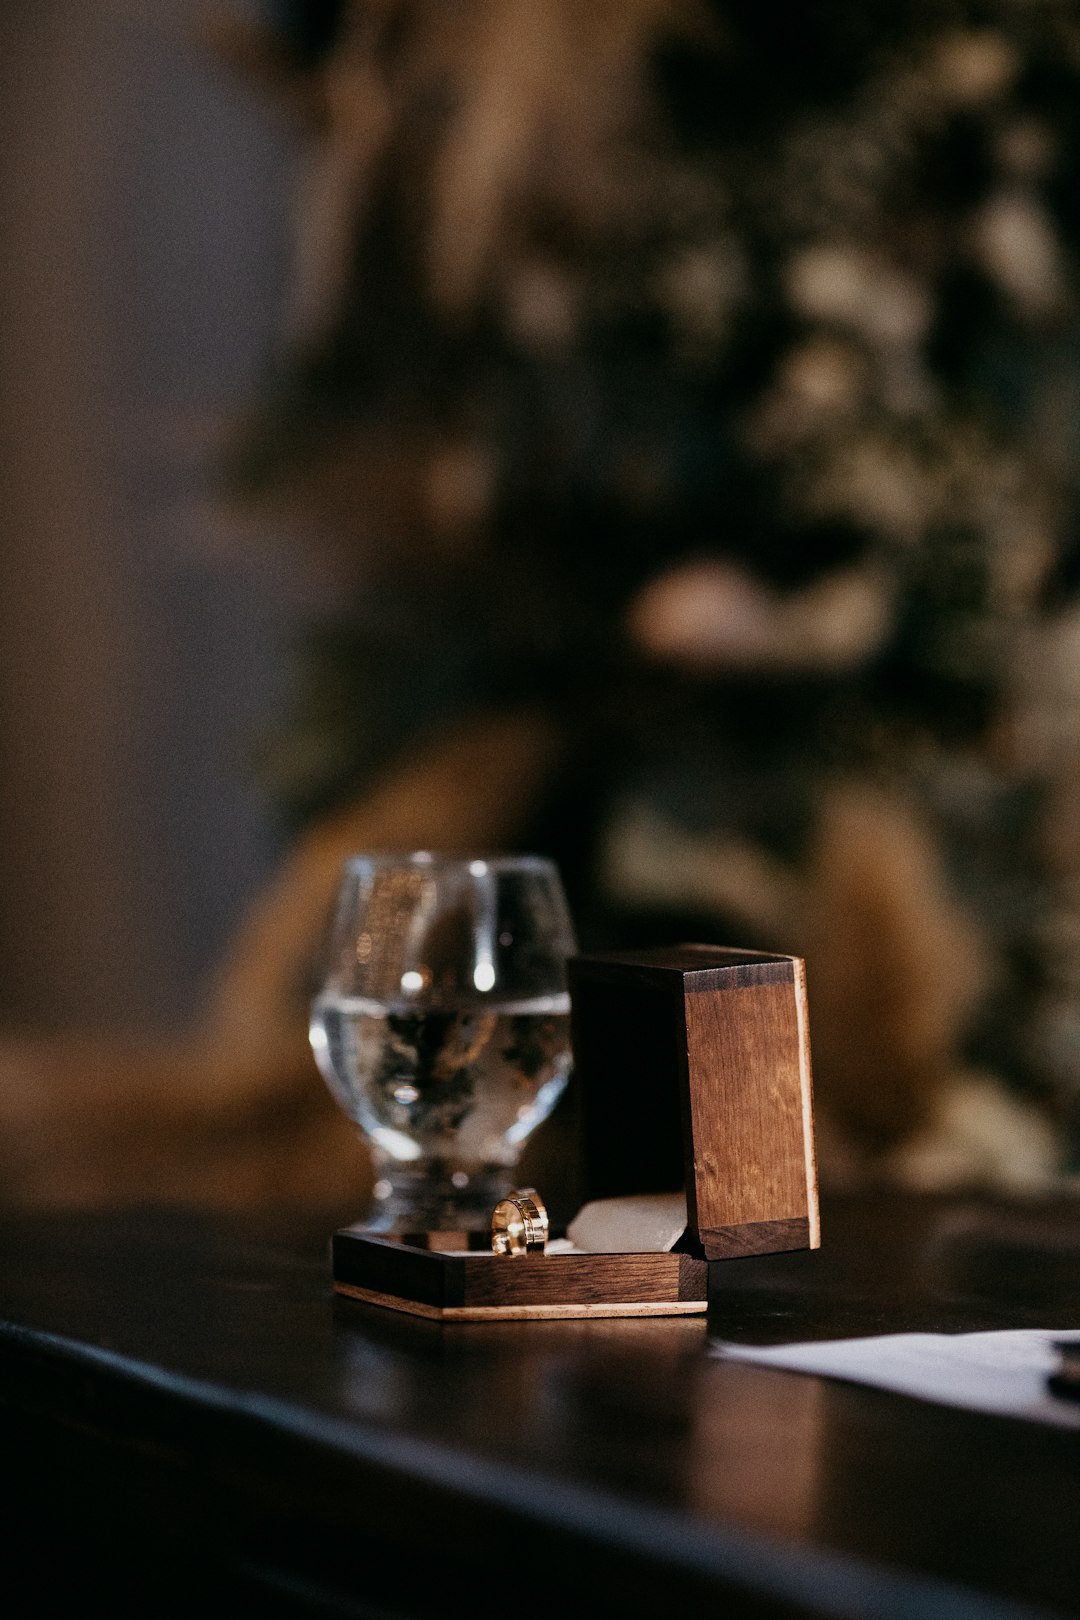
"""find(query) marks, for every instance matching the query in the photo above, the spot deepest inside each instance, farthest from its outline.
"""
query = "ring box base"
(479, 1287)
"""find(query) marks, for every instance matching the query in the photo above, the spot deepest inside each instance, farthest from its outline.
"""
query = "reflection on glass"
(441, 1025)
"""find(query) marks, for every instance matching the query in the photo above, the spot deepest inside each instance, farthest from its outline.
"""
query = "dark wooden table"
(195, 1424)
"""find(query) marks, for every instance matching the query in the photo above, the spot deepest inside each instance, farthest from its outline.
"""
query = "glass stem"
(435, 1195)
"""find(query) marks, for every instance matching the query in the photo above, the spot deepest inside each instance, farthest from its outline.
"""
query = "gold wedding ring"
(519, 1224)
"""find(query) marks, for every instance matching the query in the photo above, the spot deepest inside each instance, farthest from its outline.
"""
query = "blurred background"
(146, 234)
(638, 430)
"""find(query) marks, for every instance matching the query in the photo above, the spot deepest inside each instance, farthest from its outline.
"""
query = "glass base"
(436, 1196)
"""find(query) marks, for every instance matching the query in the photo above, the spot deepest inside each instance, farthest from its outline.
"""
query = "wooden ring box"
(694, 1070)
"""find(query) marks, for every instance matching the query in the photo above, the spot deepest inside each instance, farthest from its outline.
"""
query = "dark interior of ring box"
(694, 1071)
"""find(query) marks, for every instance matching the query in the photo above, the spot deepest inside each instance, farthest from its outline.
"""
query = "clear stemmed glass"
(441, 1025)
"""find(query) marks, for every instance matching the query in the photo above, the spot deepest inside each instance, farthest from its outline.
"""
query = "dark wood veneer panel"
(454, 1280)
(758, 1237)
(579, 1279)
(387, 1267)
(747, 1106)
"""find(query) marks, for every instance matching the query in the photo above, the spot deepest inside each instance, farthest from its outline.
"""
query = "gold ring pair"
(519, 1224)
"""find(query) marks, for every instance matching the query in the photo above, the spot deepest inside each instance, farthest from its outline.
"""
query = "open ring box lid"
(693, 1064)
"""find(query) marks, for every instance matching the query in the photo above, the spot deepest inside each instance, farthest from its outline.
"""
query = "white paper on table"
(1003, 1372)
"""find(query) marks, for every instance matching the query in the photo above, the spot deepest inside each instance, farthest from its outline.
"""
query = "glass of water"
(441, 1025)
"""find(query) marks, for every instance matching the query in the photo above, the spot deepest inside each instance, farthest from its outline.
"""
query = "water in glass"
(442, 1025)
